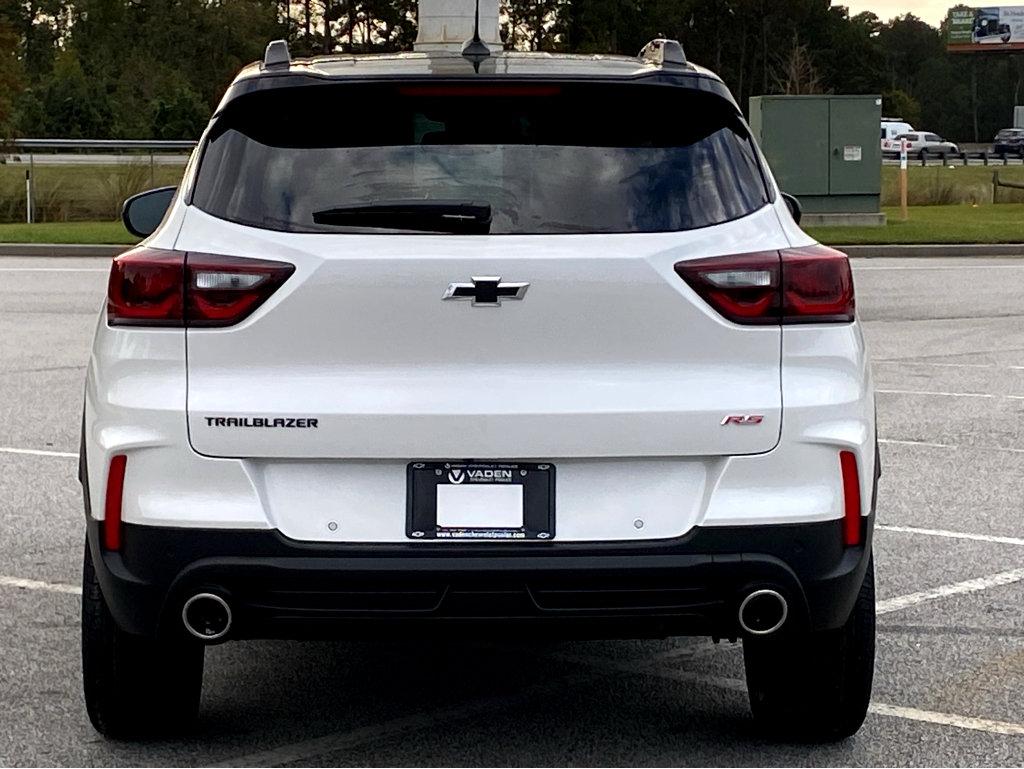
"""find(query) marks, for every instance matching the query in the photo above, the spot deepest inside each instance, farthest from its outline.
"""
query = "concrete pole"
(445, 25)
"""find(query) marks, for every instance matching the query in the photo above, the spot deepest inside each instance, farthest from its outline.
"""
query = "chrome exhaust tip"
(207, 616)
(763, 612)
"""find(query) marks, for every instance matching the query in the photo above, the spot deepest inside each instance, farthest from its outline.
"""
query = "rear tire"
(815, 686)
(134, 686)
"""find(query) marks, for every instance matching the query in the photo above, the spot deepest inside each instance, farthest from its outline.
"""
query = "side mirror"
(143, 213)
(795, 209)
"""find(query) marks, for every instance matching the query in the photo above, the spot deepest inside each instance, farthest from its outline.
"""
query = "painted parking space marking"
(945, 591)
(908, 268)
(952, 534)
(929, 444)
(35, 584)
(930, 364)
(947, 719)
(944, 394)
(38, 452)
(53, 269)
(952, 446)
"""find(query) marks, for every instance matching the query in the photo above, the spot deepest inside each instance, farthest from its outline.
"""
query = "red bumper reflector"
(851, 498)
(112, 507)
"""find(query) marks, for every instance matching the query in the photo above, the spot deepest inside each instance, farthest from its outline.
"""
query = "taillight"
(113, 501)
(146, 288)
(797, 285)
(156, 287)
(851, 497)
(817, 286)
(223, 290)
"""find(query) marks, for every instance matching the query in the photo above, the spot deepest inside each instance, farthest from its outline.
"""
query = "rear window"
(540, 158)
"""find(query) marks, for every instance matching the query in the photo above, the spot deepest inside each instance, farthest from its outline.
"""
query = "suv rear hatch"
(588, 193)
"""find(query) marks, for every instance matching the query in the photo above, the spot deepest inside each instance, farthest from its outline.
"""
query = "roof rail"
(663, 52)
(277, 55)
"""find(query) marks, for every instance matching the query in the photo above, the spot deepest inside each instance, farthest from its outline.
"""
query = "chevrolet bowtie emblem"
(486, 292)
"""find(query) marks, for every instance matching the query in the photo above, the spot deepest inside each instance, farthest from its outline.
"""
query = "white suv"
(521, 343)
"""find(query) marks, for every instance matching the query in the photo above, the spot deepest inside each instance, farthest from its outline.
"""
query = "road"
(947, 341)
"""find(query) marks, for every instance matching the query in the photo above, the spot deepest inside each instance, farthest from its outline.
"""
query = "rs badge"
(743, 419)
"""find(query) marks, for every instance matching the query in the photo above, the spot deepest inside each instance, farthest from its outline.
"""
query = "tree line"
(156, 68)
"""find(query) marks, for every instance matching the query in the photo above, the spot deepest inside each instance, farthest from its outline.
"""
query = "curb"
(935, 251)
(106, 250)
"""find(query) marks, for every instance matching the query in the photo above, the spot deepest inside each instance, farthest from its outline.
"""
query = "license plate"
(480, 500)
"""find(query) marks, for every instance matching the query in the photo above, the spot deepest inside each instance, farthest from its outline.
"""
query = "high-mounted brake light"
(797, 285)
(156, 287)
(113, 501)
(851, 498)
(507, 90)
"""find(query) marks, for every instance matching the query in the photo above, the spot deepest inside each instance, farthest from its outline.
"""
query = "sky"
(932, 11)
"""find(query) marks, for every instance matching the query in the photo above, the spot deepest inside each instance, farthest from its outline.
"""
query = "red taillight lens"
(817, 286)
(155, 287)
(146, 288)
(798, 285)
(851, 498)
(112, 503)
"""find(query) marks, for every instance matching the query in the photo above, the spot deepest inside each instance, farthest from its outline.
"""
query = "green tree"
(897, 103)
(74, 105)
(179, 113)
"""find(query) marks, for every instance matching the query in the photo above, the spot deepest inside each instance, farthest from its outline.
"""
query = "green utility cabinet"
(824, 149)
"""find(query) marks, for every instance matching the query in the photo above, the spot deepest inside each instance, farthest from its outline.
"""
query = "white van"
(892, 128)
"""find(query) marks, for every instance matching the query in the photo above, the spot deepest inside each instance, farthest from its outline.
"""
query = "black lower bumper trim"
(282, 588)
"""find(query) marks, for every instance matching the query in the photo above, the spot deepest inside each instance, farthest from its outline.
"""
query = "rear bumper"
(283, 588)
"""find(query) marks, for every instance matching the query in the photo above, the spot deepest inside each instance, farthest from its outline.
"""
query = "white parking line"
(34, 584)
(952, 534)
(53, 269)
(947, 719)
(948, 365)
(942, 394)
(930, 445)
(944, 591)
(38, 452)
(903, 268)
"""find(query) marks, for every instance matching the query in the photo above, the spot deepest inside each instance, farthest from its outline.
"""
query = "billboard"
(993, 28)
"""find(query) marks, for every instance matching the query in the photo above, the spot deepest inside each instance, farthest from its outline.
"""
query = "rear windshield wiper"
(454, 216)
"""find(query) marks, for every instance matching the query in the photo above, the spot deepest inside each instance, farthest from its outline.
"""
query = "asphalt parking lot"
(947, 342)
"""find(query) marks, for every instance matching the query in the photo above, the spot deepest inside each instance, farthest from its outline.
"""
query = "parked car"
(892, 128)
(928, 143)
(1009, 140)
(475, 359)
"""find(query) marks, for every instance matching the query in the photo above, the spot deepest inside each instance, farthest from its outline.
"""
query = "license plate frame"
(537, 480)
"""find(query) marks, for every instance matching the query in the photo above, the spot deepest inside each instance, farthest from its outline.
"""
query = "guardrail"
(62, 151)
(107, 144)
(982, 157)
